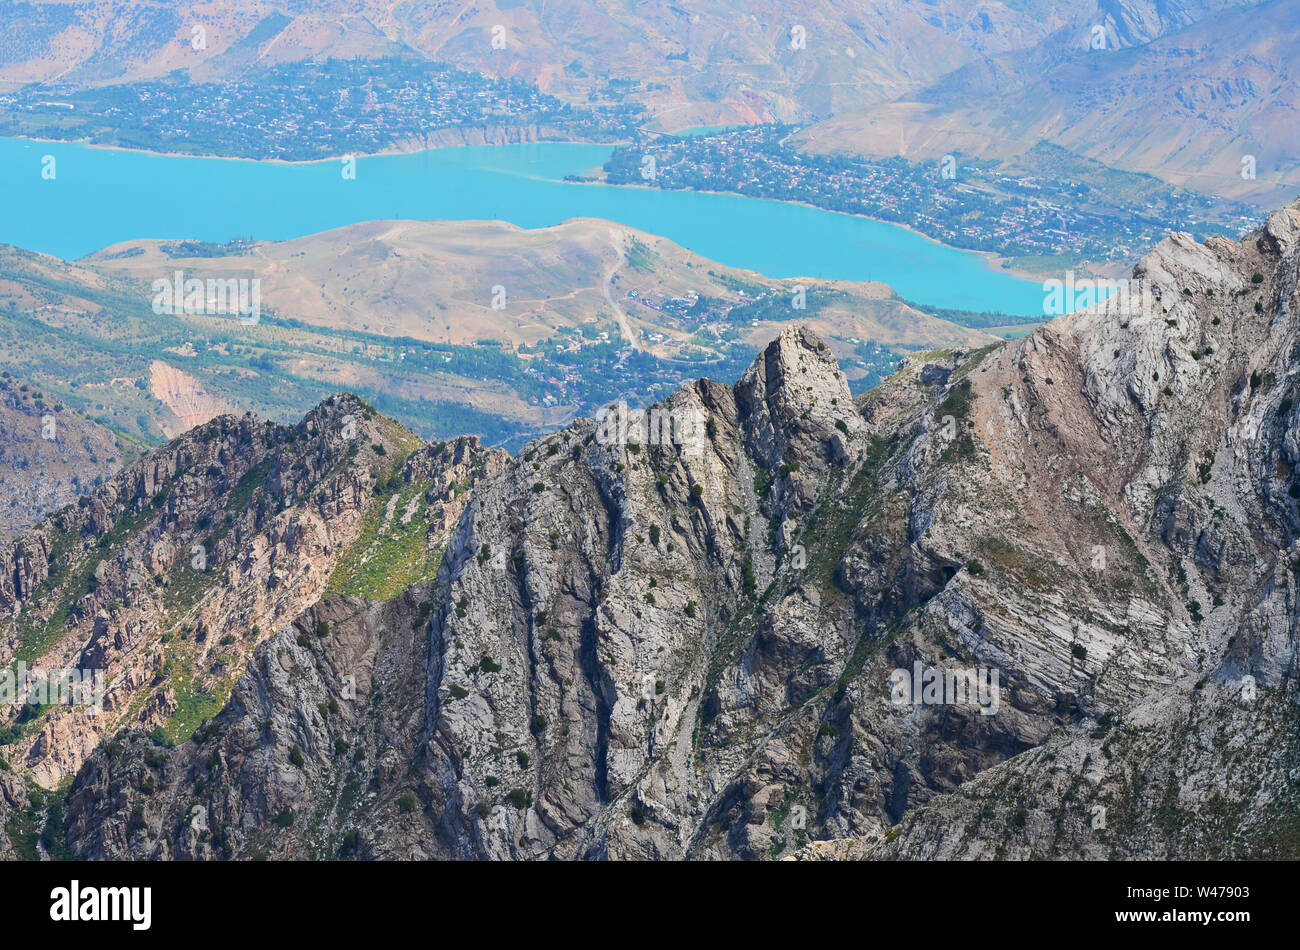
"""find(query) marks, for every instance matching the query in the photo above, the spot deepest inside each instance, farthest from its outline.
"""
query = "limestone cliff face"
(1191, 425)
(678, 632)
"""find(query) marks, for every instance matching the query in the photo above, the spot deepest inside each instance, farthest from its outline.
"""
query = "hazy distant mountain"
(1188, 107)
(694, 61)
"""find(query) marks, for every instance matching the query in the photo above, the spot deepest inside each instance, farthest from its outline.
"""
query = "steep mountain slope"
(56, 321)
(49, 455)
(1206, 764)
(691, 62)
(1187, 103)
(168, 576)
(679, 633)
(710, 60)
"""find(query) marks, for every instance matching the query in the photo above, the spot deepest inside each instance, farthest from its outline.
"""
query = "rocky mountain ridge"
(682, 632)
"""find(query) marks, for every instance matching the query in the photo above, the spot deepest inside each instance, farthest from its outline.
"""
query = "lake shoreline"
(529, 185)
(996, 262)
(406, 148)
(991, 258)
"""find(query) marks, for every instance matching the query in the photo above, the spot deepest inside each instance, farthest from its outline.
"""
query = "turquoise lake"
(102, 196)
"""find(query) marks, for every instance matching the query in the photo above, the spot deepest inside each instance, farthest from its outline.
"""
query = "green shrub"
(351, 842)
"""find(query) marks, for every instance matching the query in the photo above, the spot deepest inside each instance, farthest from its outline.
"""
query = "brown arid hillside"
(77, 335)
(1189, 106)
(691, 63)
(185, 397)
(698, 63)
(436, 280)
(49, 455)
(451, 326)
(694, 631)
